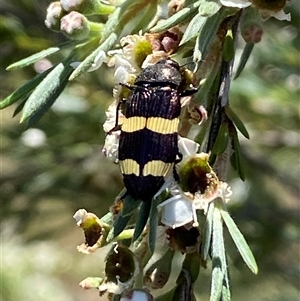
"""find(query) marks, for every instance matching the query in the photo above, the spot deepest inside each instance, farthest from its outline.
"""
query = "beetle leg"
(189, 92)
(117, 127)
(128, 86)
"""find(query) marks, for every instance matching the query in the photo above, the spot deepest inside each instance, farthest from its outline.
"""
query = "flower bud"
(76, 26)
(95, 231)
(136, 48)
(91, 282)
(87, 7)
(167, 41)
(251, 26)
(54, 14)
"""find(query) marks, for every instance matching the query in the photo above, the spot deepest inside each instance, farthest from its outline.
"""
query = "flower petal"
(177, 212)
(187, 146)
(236, 3)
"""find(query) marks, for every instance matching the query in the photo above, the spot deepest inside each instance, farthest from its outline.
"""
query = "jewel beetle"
(148, 146)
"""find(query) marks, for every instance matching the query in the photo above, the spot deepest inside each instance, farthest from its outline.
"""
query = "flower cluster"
(198, 187)
(194, 187)
(69, 17)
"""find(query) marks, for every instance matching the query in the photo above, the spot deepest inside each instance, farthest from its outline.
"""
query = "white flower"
(135, 49)
(123, 69)
(187, 147)
(111, 145)
(137, 295)
(236, 3)
(223, 192)
(98, 61)
(180, 208)
(111, 115)
(265, 14)
(153, 58)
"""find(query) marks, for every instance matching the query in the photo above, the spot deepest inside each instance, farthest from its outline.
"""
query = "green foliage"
(49, 182)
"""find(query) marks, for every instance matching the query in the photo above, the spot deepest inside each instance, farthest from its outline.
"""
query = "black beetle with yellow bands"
(148, 147)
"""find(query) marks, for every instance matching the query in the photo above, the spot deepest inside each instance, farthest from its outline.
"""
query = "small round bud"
(87, 7)
(77, 27)
(167, 41)
(91, 282)
(251, 26)
(252, 33)
(54, 14)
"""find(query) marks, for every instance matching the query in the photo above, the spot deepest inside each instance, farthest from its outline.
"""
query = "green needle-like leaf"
(21, 105)
(209, 31)
(129, 205)
(89, 60)
(240, 242)
(181, 16)
(119, 225)
(153, 222)
(237, 121)
(219, 264)
(226, 294)
(24, 90)
(47, 92)
(115, 24)
(222, 140)
(38, 56)
(112, 23)
(142, 219)
(208, 231)
(244, 59)
(207, 35)
(193, 28)
(228, 48)
(237, 156)
(209, 8)
(107, 218)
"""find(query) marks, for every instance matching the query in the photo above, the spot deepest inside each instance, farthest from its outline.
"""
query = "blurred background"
(50, 171)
